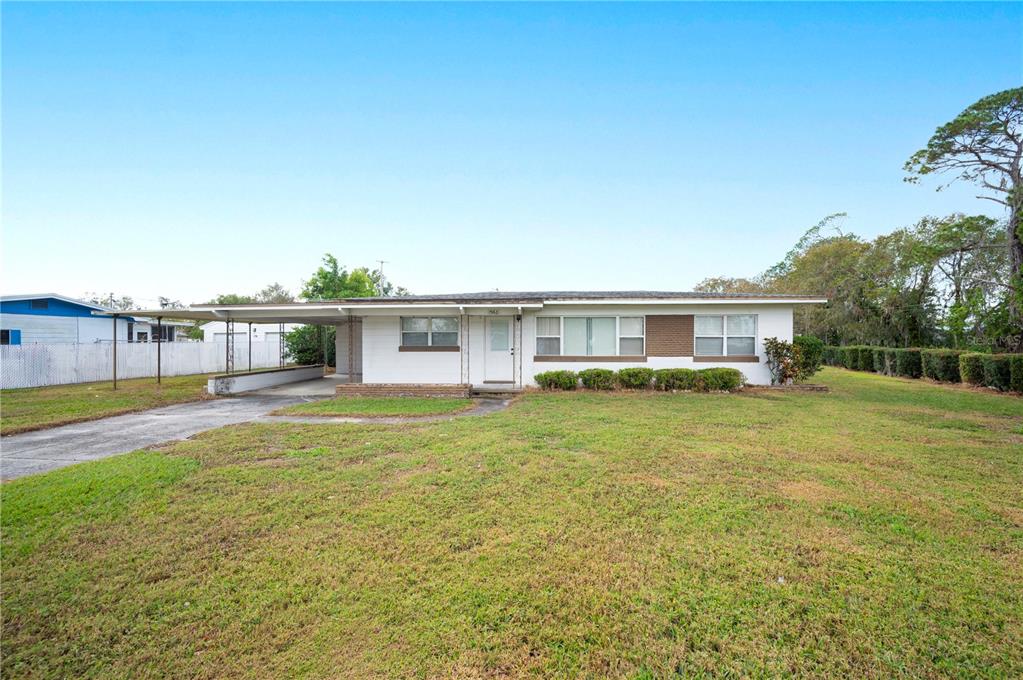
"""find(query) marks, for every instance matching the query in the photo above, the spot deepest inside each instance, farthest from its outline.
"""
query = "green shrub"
(1016, 372)
(597, 378)
(850, 357)
(809, 354)
(996, 371)
(832, 355)
(971, 368)
(670, 379)
(907, 363)
(721, 379)
(556, 380)
(878, 360)
(889, 360)
(635, 378)
(941, 364)
(865, 362)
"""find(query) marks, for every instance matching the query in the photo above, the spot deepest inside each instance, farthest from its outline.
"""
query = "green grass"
(34, 408)
(873, 531)
(379, 406)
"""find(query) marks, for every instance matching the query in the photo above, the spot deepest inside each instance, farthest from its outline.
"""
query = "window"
(590, 336)
(725, 335)
(5, 337)
(631, 335)
(40, 304)
(131, 332)
(429, 331)
(548, 335)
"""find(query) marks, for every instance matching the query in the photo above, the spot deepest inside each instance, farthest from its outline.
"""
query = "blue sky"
(193, 149)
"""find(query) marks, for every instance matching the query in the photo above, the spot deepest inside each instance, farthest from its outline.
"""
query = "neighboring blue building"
(51, 318)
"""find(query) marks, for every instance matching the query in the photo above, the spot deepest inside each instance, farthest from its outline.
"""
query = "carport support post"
(250, 347)
(159, 342)
(319, 335)
(114, 336)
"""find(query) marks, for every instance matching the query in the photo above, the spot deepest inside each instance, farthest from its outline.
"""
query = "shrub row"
(1003, 372)
(666, 379)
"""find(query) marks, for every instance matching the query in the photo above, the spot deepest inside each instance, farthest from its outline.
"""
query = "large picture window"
(725, 335)
(590, 336)
(429, 331)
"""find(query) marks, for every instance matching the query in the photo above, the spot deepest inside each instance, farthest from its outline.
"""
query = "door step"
(492, 389)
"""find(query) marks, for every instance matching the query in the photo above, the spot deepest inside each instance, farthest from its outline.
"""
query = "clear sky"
(190, 149)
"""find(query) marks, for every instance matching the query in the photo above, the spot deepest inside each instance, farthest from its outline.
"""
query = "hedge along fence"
(1003, 372)
(665, 379)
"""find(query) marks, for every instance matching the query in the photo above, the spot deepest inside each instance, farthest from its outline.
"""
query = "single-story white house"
(216, 331)
(503, 340)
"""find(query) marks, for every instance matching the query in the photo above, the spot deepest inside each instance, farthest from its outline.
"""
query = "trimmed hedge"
(997, 371)
(722, 379)
(597, 378)
(556, 380)
(908, 363)
(809, 355)
(1016, 372)
(635, 378)
(671, 379)
(971, 368)
(941, 364)
(1003, 372)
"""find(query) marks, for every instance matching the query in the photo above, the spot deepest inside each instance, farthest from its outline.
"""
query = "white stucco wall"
(383, 363)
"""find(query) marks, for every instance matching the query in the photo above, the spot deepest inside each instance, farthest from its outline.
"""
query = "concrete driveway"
(42, 450)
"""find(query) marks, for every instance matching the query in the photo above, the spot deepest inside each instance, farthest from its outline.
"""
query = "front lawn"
(379, 406)
(873, 531)
(35, 408)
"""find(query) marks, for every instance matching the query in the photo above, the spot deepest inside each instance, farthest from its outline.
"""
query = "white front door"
(499, 361)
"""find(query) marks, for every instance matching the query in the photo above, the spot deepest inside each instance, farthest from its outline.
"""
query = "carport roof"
(318, 311)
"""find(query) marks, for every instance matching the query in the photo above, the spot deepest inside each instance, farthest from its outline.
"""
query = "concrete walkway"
(44, 450)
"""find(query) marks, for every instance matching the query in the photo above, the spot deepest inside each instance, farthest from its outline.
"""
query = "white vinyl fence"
(40, 364)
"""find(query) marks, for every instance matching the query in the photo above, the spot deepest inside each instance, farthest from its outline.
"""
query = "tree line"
(951, 281)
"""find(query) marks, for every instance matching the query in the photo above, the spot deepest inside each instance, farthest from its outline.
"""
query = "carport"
(236, 378)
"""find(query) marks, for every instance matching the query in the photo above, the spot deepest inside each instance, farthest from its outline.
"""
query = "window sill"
(734, 359)
(556, 357)
(428, 348)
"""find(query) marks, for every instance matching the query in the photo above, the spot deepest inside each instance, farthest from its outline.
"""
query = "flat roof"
(321, 311)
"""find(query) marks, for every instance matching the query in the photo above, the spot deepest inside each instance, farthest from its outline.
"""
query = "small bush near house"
(879, 360)
(809, 355)
(971, 368)
(671, 379)
(721, 379)
(850, 357)
(1016, 372)
(866, 358)
(556, 380)
(781, 361)
(907, 363)
(941, 364)
(832, 355)
(597, 378)
(996, 371)
(635, 378)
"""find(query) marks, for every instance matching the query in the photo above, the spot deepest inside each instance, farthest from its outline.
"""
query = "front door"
(500, 358)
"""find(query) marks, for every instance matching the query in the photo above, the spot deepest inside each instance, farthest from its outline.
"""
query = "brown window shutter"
(669, 335)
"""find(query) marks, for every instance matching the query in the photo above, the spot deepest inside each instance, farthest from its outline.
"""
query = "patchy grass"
(35, 408)
(874, 531)
(379, 406)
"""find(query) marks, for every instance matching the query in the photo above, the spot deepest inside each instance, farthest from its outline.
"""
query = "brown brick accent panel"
(669, 335)
(399, 390)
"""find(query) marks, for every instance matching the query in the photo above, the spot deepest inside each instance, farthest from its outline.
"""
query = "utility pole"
(380, 285)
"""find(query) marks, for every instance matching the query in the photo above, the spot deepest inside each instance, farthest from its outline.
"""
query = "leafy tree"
(311, 345)
(275, 293)
(725, 284)
(168, 303)
(232, 299)
(332, 281)
(984, 145)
